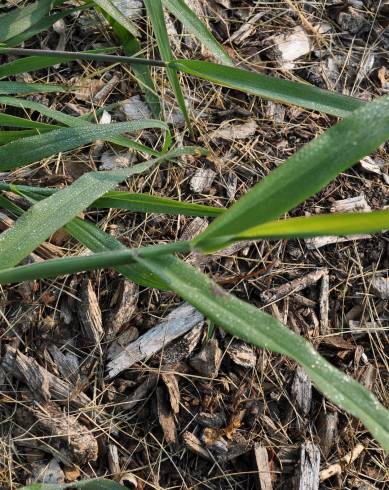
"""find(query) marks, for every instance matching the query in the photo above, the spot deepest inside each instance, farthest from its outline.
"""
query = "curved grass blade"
(8, 136)
(7, 120)
(284, 91)
(195, 26)
(47, 216)
(108, 7)
(258, 328)
(72, 121)
(19, 20)
(306, 172)
(36, 148)
(9, 88)
(329, 224)
(155, 11)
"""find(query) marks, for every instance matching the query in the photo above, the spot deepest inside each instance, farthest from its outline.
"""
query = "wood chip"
(298, 284)
(322, 241)
(207, 361)
(232, 132)
(67, 364)
(327, 430)
(171, 383)
(89, 313)
(129, 8)
(242, 354)
(308, 478)
(113, 459)
(370, 166)
(194, 228)
(380, 286)
(262, 460)
(202, 180)
(337, 468)
(301, 391)
(177, 323)
(141, 393)
(105, 91)
(289, 47)
(112, 161)
(356, 204)
(193, 443)
(181, 349)
(126, 296)
(247, 28)
(324, 304)
(165, 417)
(47, 473)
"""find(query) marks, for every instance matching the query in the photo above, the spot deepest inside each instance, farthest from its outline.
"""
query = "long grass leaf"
(306, 172)
(156, 14)
(8, 136)
(8, 120)
(47, 216)
(36, 148)
(285, 91)
(197, 28)
(83, 484)
(258, 328)
(111, 9)
(9, 88)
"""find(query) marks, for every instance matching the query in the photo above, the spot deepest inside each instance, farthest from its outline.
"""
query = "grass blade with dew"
(110, 8)
(35, 148)
(156, 14)
(95, 484)
(7, 120)
(52, 213)
(8, 136)
(265, 86)
(19, 20)
(197, 28)
(19, 88)
(306, 172)
(73, 121)
(245, 321)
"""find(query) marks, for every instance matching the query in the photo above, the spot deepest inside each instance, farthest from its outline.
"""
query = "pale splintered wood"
(337, 468)
(309, 467)
(262, 460)
(177, 323)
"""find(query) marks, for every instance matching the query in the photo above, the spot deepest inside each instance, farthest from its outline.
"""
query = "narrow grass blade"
(292, 93)
(36, 148)
(9, 88)
(110, 8)
(72, 121)
(83, 484)
(18, 20)
(258, 328)
(195, 26)
(328, 224)
(58, 267)
(29, 64)
(306, 172)
(8, 136)
(155, 11)
(47, 216)
(7, 120)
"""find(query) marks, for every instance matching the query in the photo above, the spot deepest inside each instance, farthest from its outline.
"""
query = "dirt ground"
(205, 411)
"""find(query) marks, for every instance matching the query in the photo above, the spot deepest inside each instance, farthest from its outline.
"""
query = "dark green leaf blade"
(111, 9)
(9, 88)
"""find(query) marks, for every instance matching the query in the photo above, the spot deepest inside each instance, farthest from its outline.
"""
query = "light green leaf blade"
(8, 136)
(83, 484)
(36, 148)
(306, 172)
(258, 328)
(9, 88)
(284, 91)
(195, 26)
(7, 120)
(29, 64)
(110, 8)
(155, 11)
(328, 224)
(47, 216)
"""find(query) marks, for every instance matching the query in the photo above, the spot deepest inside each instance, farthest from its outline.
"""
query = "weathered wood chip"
(177, 323)
(370, 166)
(308, 476)
(324, 304)
(181, 349)
(207, 361)
(247, 28)
(171, 383)
(327, 430)
(202, 180)
(67, 364)
(380, 286)
(141, 392)
(135, 109)
(126, 306)
(262, 460)
(293, 286)
(232, 132)
(194, 228)
(242, 354)
(336, 468)
(212, 420)
(112, 161)
(103, 93)
(165, 417)
(89, 313)
(322, 241)
(291, 46)
(113, 459)
(301, 391)
(356, 204)
(47, 472)
(193, 443)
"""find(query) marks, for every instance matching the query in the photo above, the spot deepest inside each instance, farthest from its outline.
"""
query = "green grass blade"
(9, 88)
(328, 224)
(285, 91)
(19, 20)
(83, 484)
(195, 26)
(35, 148)
(47, 216)
(155, 11)
(306, 172)
(72, 121)
(258, 328)
(7, 120)
(29, 64)
(109, 8)
(8, 136)
(58, 267)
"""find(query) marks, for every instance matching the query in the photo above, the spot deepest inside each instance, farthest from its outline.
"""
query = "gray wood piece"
(177, 323)
(308, 477)
(262, 460)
